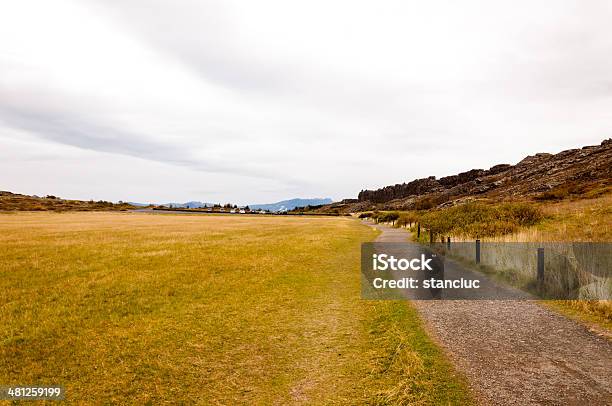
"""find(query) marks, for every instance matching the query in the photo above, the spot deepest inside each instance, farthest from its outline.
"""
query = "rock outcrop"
(531, 177)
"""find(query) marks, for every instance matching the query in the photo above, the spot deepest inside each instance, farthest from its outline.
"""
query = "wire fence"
(555, 270)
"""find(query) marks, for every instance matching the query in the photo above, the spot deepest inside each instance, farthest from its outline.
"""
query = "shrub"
(481, 220)
(388, 217)
(424, 204)
(407, 219)
(566, 190)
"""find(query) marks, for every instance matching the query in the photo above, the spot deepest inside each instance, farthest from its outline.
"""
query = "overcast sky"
(258, 101)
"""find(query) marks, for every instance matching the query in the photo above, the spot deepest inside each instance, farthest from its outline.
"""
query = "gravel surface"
(517, 352)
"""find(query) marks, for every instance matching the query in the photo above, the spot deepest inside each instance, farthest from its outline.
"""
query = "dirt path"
(517, 352)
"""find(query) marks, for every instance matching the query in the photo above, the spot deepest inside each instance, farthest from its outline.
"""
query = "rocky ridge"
(532, 177)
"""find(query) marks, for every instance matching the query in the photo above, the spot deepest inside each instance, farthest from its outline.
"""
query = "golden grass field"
(143, 308)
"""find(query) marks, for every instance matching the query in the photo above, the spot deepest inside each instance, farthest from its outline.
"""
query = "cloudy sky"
(257, 101)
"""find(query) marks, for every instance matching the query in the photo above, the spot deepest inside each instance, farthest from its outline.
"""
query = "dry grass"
(581, 220)
(596, 314)
(586, 220)
(136, 308)
(576, 220)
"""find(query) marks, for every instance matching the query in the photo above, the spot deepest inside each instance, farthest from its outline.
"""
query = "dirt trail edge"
(517, 352)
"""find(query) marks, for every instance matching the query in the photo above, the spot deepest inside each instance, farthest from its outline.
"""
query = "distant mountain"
(289, 204)
(189, 205)
(273, 207)
(138, 204)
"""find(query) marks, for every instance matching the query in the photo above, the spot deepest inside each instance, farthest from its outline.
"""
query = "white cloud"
(258, 101)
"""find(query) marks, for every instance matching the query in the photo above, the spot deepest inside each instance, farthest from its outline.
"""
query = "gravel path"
(517, 352)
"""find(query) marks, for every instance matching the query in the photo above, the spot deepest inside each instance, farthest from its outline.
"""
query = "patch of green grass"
(137, 308)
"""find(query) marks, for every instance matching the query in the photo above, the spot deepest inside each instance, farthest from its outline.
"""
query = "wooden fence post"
(448, 243)
(477, 251)
(418, 230)
(430, 236)
(540, 265)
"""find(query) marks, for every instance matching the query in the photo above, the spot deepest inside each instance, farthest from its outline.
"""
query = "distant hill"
(576, 173)
(286, 205)
(18, 202)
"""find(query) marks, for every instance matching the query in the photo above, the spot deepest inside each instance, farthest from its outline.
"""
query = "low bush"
(575, 189)
(481, 220)
(407, 219)
(425, 204)
(388, 217)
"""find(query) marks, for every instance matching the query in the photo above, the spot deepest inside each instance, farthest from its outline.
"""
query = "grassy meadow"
(207, 309)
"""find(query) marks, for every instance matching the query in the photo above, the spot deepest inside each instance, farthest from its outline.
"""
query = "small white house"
(242, 211)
